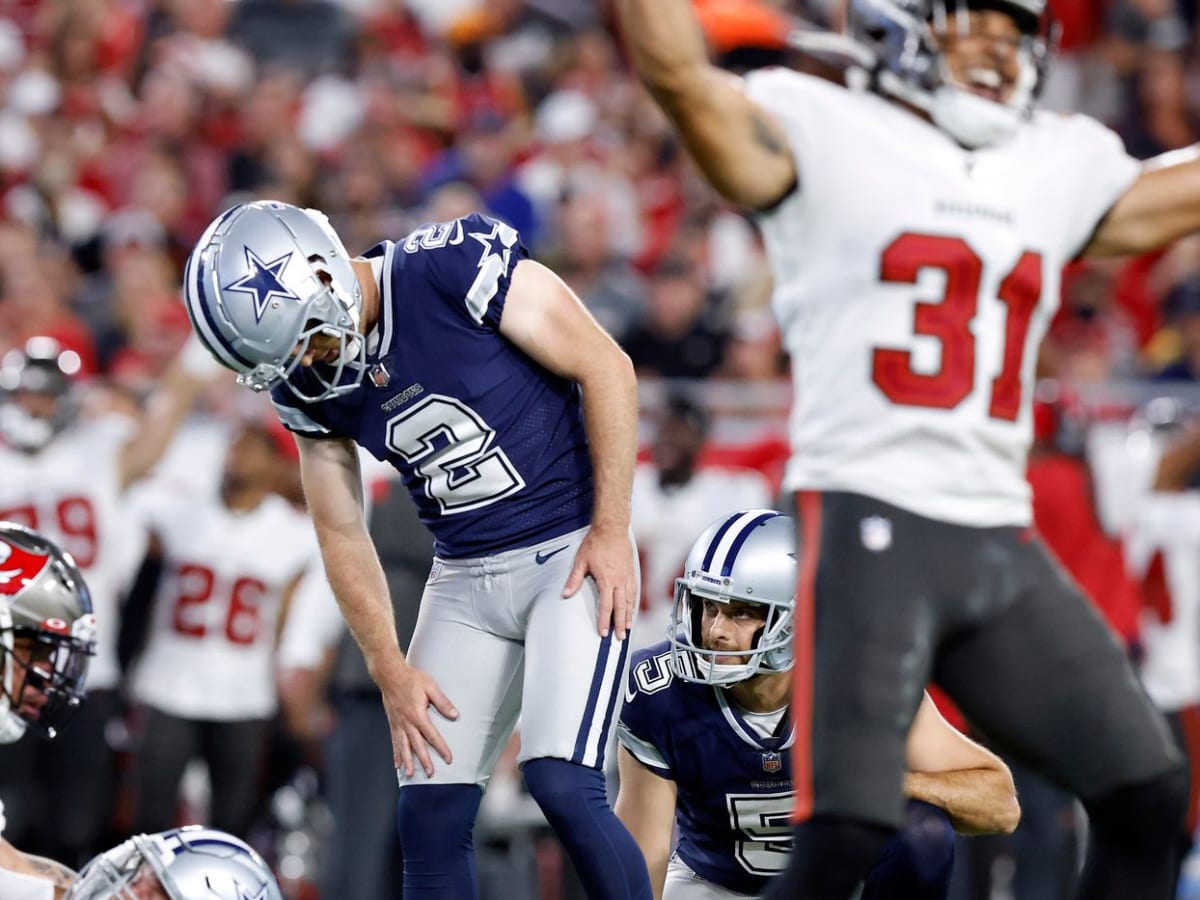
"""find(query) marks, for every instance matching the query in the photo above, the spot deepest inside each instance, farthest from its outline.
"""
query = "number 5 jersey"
(914, 281)
(734, 783)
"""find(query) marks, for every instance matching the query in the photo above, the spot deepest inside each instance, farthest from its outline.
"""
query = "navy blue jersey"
(490, 444)
(734, 787)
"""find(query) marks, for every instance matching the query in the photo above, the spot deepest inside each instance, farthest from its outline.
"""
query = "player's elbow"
(1007, 814)
(1004, 809)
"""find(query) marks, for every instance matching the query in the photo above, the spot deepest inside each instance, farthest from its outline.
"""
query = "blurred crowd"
(126, 125)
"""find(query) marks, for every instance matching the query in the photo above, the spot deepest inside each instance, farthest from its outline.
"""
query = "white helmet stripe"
(193, 284)
(729, 539)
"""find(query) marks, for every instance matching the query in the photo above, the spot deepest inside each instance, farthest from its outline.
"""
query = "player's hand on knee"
(407, 703)
(607, 556)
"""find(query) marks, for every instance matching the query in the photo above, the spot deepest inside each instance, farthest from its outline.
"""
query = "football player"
(231, 561)
(705, 735)
(916, 230)
(64, 475)
(191, 863)
(670, 489)
(512, 418)
(47, 636)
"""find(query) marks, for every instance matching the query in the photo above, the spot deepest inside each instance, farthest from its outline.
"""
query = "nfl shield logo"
(772, 762)
(876, 532)
(379, 375)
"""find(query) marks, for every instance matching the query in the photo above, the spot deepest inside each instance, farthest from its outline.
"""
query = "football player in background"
(191, 863)
(66, 469)
(231, 561)
(705, 738)
(916, 231)
(512, 418)
(47, 636)
(1163, 547)
(670, 490)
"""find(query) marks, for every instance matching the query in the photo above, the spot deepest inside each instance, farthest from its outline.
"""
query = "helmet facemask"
(47, 634)
(746, 558)
(908, 40)
(185, 862)
(44, 673)
(770, 652)
(264, 280)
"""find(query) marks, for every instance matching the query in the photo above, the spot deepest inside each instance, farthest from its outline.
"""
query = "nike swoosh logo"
(540, 557)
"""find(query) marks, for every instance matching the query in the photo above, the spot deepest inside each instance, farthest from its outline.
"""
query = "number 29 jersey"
(914, 281)
(490, 444)
(734, 787)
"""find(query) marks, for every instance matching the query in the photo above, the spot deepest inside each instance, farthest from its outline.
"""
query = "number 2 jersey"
(734, 786)
(490, 444)
(914, 281)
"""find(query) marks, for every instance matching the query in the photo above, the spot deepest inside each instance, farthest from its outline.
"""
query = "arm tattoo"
(54, 872)
(765, 135)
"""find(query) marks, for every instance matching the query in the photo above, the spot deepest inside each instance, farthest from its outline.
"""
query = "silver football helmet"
(47, 634)
(750, 557)
(41, 370)
(192, 863)
(904, 38)
(263, 279)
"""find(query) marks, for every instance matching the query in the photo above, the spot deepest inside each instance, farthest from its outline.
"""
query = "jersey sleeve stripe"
(387, 326)
(294, 420)
(643, 751)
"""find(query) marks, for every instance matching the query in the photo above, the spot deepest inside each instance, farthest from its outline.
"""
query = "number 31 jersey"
(490, 444)
(914, 281)
(734, 787)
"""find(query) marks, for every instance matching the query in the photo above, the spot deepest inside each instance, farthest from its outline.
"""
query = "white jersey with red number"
(665, 522)
(70, 491)
(210, 650)
(1164, 544)
(914, 281)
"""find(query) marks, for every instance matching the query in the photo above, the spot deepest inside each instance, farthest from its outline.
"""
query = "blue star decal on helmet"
(494, 243)
(263, 282)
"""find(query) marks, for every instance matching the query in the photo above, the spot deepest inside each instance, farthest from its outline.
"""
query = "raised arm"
(949, 770)
(333, 488)
(1163, 204)
(549, 324)
(739, 146)
(646, 806)
(192, 371)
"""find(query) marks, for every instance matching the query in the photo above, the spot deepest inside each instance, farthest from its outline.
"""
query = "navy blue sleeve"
(645, 717)
(298, 417)
(470, 261)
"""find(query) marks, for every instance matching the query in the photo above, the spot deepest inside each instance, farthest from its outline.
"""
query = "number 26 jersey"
(914, 281)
